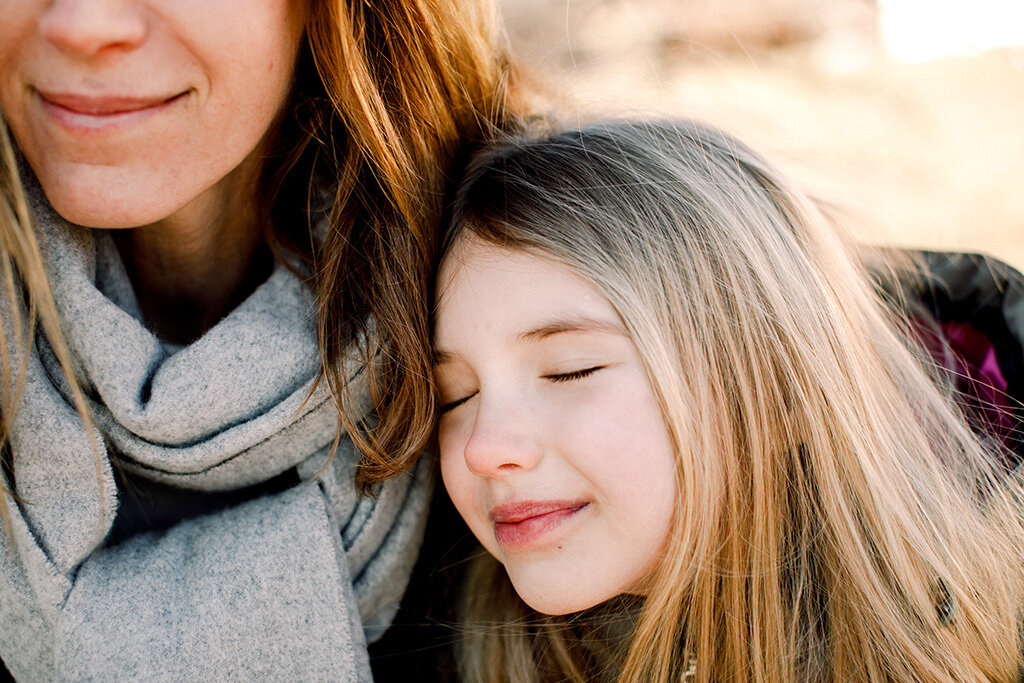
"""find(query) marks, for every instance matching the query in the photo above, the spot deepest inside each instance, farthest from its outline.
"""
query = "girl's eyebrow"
(575, 324)
(548, 329)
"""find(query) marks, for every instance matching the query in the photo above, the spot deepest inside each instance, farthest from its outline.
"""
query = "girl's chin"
(557, 591)
(560, 600)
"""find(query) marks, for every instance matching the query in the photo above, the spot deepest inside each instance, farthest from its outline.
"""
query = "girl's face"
(128, 110)
(552, 444)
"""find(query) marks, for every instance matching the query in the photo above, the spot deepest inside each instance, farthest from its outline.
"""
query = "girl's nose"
(501, 443)
(90, 28)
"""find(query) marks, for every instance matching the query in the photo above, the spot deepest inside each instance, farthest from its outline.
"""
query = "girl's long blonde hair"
(385, 96)
(837, 520)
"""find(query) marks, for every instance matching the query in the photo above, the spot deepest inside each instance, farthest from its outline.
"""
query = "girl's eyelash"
(574, 375)
(556, 377)
(451, 405)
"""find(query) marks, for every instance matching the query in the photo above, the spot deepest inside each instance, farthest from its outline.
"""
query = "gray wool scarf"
(290, 584)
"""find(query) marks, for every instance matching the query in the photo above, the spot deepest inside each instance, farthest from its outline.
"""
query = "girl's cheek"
(453, 469)
(461, 485)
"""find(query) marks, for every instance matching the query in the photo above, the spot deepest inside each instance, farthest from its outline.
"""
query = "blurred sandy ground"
(920, 154)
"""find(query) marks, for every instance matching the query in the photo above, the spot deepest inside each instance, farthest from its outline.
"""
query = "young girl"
(696, 440)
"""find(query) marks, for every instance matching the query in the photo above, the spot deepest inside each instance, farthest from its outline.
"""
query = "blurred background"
(907, 115)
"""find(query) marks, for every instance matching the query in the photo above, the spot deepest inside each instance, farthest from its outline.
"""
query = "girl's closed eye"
(447, 406)
(454, 385)
(573, 375)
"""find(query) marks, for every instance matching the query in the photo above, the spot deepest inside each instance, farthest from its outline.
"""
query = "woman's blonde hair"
(837, 518)
(385, 96)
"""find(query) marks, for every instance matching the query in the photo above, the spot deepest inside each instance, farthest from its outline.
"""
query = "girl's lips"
(78, 112)
(521, 524)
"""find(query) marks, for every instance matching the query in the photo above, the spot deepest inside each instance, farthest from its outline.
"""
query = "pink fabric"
(970, 357)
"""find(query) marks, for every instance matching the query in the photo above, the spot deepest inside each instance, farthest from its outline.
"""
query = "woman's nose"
(502, 442)
(90, 28)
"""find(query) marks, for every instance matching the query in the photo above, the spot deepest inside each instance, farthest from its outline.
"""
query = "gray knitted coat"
(288, 585)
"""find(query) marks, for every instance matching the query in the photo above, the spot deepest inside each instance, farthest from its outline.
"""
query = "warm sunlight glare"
(921, 30)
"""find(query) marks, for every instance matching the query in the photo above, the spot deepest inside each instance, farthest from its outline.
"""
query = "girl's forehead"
(468, 244)
(488, 292)
(467, 258)
(489, 269)
(470, 253)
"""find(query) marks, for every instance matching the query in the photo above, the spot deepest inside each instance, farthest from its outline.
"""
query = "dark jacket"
(972, 311)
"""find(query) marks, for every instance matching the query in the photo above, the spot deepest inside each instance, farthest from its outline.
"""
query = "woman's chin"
(104, 199)
(102, 217)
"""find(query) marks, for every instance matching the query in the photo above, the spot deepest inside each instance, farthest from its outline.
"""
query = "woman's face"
(552, 444)
(130, 110)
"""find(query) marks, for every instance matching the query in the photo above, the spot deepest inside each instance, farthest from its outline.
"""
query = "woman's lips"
(78, 112)
(522, 523)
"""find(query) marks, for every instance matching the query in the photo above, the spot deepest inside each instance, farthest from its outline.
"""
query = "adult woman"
(176, 375)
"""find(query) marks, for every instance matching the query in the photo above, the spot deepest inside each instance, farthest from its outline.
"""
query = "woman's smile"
(84, 113)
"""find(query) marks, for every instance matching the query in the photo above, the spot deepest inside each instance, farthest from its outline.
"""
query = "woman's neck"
(195, 266)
